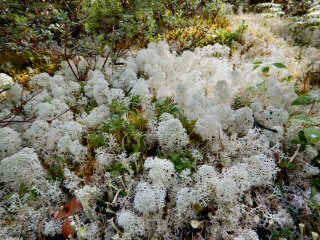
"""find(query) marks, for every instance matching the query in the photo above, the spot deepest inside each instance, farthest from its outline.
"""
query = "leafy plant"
(55, 170)
(266, 67)
(306, 99)
(311, 132)
(183, 160)
(126, 124)
(29, 191)
(135, 23)
(229, 38)
(42, 31)
(117, 168)
(166, 106)
(284, 232)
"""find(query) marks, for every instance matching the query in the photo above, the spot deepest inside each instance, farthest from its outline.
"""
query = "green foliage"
(287, 165)
(126, 124)
(279, 65)
(312, 134)
(96, 139)
(136, 22)
(229, 38)
(183, 160)
(117, 168)
(306, 99)
(43, 33)
(240, 102)
(284, 233)
(302, 140)
(31, 192)
(265, 68)
(166, 106)
(135, 103)
(55, 170)
(118, 108)
(305, 120)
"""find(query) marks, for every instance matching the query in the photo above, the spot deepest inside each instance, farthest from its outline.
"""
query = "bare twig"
(105, 61)
(59, 115)
(203, 34)
(4, 90)
(12, 121)
(295, 153)
(66, 57)
(9, 122)
(310, 111)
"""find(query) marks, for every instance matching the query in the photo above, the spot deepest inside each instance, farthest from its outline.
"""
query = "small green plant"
(183, 160)
(135, 23)
(117, 168)
(30, 191)
(310, 135)
(126, 124)
(311, 130)
(229, 38)
(240, 102)
(166, 106)
(284, 233)
(265, 68)
(55, 170)
(287, 165)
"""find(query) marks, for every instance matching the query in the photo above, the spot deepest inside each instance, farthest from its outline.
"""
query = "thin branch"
(295, 153)
(11, 121)
(59, 115)
(66, 57)
(17, 121)
(4, 90)
(105, 61)
(204, 33)
(310, 111)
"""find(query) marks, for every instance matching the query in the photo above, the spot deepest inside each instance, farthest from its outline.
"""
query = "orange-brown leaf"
(69, 209)
(67, 229)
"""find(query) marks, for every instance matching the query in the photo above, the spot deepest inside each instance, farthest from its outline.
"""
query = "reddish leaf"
(67, 229)
(69, 209)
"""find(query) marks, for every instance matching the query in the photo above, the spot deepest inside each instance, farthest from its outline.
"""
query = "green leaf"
(257, 63)
(305, 99)
(265, 69)
(123, 193)
(295, 141)
(305, 119)
(302, 137)
(255, 67)
(312, 134)
(279, 65)
(315, 182)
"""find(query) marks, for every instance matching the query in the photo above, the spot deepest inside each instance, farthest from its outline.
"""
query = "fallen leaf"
(67, 229)
(69, 209)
